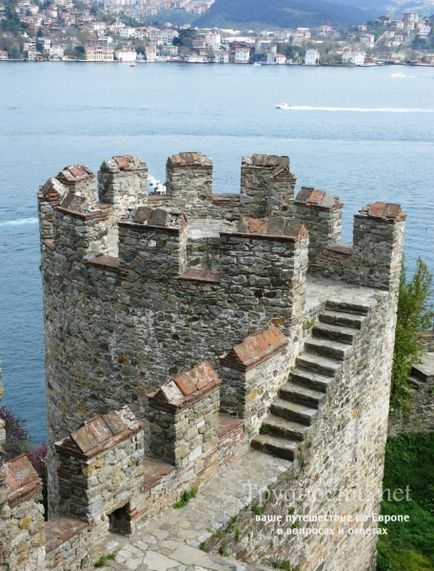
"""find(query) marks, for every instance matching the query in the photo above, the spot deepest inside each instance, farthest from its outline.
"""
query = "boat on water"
(133, 65)
(156, 187)
(284, 106)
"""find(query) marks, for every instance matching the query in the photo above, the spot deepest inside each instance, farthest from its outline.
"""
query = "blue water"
(377, 142)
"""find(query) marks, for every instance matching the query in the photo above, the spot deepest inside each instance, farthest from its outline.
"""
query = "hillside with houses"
(71, 30)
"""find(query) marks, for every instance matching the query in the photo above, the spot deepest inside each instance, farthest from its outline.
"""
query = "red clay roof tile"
(386, 210)
(20, 472)
(255, 349)
(188, 387)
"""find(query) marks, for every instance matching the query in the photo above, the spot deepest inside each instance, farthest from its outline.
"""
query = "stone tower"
(164, 302)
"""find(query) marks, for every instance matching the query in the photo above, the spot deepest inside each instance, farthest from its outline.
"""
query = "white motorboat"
(284, 106)
(156, 186)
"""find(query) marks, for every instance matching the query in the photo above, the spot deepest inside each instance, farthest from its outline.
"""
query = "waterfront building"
(126, 55)
(311, 57)
(99, 53)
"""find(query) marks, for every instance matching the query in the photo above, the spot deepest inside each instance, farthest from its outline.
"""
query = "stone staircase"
(299, 400)
(422, 374)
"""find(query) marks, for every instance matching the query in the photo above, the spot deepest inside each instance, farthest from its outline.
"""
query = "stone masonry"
(228, 347)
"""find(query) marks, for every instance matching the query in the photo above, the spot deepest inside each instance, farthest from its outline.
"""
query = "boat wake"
(18, 222)
(359, 109)
(401, 75)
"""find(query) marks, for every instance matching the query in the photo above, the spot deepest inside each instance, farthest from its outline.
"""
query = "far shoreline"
(134, 64)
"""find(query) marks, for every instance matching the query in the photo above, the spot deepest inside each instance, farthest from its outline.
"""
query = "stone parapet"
(252, 373)
(104, 460)
(184, 419)
(22, 540)
(267, 187)
(68, 544)
(322, 215)
(189, 182)
(374, 260)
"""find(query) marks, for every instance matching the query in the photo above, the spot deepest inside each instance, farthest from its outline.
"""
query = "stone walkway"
(172, 541)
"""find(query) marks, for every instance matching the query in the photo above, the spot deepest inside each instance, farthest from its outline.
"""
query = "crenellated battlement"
(266, 189)
(219, 320)
(201, 278)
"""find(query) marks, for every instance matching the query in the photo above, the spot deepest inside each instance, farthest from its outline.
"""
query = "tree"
(415, 312)
(185, 38)
(10, 21)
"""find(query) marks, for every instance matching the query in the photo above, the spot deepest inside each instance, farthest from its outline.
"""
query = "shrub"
(17, 436)
(408, 546)
(414, 313)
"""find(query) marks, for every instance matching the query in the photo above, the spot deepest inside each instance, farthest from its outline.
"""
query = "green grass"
(257, 509)
(104, 559)
(409, 546)
(285, 565)
(186, 496)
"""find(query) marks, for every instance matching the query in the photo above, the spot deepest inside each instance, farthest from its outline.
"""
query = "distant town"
(130, 31)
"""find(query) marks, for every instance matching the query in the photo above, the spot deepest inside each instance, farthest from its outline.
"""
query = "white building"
(127, 33)
(126, 55)
(326, 31)
(151, 54)
(311, 57)
(368, 40)
(164, 36)
(305, 32)
(423, 30)
(56, 52)
(410, 17)
(168, 51)
(213, 40)
(45, 43)
(221, 57)
(353, 58)
(197, 58)
(99, 53)
(242, 55)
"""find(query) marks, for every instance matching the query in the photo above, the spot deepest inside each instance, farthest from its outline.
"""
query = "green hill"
(280, 13)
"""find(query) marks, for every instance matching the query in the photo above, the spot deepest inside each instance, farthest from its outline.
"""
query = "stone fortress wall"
(179, 329)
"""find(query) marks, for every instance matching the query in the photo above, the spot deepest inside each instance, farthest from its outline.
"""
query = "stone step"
(334, 332)
(416, 383)
(275, 446)
(309, 379)
(301, 395)
(341, 318)
(318, 364)
(424, 371)
(278, 426)
(346, 307)
(293, 411)
(328, 348)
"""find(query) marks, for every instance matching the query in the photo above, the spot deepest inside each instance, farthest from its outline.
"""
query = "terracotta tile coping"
(186, 388)
(101, 214)
(155, 471)
(98, 435)
(228, 425)
(60, 529)
(340, 249)
(200, 275)
(105, 262)
(21, 479)
(255, 349)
